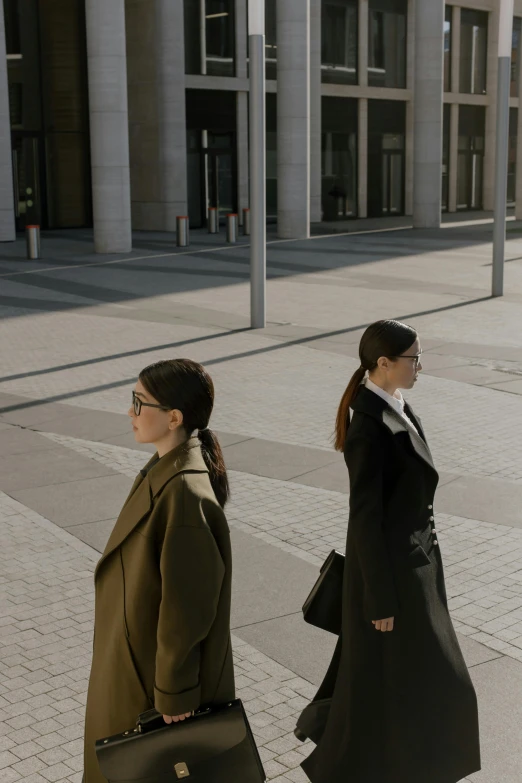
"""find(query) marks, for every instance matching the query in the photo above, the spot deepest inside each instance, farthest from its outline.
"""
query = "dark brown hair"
(186, 386)
(382, 338)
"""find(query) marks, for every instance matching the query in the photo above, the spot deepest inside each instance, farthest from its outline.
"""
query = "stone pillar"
(7, 220)
(491, 110)
(362, 156)
(293, 119)
(315, 112)
(243, 196)
(241, 38)
(107, 71)
(172, 126)
(429, 74)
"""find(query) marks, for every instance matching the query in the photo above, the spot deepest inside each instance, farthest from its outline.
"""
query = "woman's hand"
(384, 625)
(175, 718)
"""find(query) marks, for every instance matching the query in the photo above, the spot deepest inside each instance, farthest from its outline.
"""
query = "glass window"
(515, 56)
(447, 47)
(470, 168)
(387, 43)
(270, 39)
(445, 155)
(473, 51)
(209, 37)
(339, 41)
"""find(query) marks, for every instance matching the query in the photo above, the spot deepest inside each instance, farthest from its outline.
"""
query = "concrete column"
(7, 220)
(362, 159)
(363, 14)
(107, 70)
(242, 153)
(453, 157)
(293, 119)
(429, 74)
(315, 111)
(172, 133)
(491, 110)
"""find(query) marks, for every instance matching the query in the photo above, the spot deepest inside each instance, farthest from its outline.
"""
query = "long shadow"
(230, 357)
(123, 355)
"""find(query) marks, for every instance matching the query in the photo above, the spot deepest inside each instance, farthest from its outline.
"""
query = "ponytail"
(215, 463)
(343, 414)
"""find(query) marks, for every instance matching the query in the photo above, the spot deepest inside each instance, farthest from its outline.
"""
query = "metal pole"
(257, 182)
(502, 145)
(213, 220)
(32, 235)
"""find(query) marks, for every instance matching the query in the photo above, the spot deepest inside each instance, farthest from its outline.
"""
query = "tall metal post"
(502, 144)
(256, 30)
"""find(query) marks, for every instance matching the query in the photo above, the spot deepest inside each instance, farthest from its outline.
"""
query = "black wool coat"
(399, 706)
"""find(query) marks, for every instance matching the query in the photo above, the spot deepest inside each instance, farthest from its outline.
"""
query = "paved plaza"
(76, 330)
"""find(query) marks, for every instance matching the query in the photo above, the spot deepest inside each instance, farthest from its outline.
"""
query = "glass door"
(219, 169)
(28, 190)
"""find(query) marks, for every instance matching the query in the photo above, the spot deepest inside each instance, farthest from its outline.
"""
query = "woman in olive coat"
(397, 704)
(163, 583)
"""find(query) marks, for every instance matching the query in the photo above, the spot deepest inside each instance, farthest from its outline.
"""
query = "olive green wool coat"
(162, 602)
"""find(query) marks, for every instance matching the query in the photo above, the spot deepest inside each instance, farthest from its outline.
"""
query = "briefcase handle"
(152, 719)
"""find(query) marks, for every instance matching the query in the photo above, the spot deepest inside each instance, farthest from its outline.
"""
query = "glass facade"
(512, 156)
(387, 26)
(339, 41)
(448, 17)
(386, 157)
(470, 168)
(445, 155)
(209, 27)
(270, 39)
(48, 102)
(473, 51)
(515, 56)
(339, 158)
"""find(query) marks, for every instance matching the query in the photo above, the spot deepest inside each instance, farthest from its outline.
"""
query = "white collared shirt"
(395, 401)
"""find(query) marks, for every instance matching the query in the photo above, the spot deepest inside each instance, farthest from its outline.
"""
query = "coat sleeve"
(192, 572)
(364, 459)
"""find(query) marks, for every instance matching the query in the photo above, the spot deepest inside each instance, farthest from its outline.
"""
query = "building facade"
(125, 114)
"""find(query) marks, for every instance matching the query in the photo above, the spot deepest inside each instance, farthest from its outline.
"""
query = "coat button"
(432, 519)
(433, 532)
(430, 507)
(435, 543)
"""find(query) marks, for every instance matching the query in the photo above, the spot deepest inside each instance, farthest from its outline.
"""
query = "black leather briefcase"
(323, 607)
(216, 745)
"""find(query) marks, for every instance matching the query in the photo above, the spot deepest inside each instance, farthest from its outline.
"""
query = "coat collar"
(370, 403)
(148, 484)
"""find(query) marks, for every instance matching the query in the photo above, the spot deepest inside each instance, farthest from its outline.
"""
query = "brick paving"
(46, 620)
(483, 561)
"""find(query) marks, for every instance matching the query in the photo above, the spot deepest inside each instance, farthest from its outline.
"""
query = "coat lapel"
(148, 483)
(368, 402)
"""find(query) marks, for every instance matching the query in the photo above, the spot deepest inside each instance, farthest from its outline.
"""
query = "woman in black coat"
(397, 704)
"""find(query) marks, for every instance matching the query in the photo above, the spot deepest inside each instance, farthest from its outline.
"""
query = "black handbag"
(323, 607)
(216, 745)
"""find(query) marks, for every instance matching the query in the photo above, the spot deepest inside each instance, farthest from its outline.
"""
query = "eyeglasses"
(415, 356)
(137, 404)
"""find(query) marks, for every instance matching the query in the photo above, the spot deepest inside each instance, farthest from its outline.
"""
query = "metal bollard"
(246, 222)
(213, 220)
(182, 231)
(32, 236)
(232, 229)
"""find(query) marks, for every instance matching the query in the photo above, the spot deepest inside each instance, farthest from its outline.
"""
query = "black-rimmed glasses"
(137, 404)
(415, 356)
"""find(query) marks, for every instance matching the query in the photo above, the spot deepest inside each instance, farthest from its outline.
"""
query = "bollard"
(246, 222)
(32, 236)
(232, 229)
(213, 220)
(182, 231)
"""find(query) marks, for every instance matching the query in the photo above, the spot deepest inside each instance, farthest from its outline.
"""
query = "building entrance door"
(393, 177)
(27, 179)
(212, 175)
